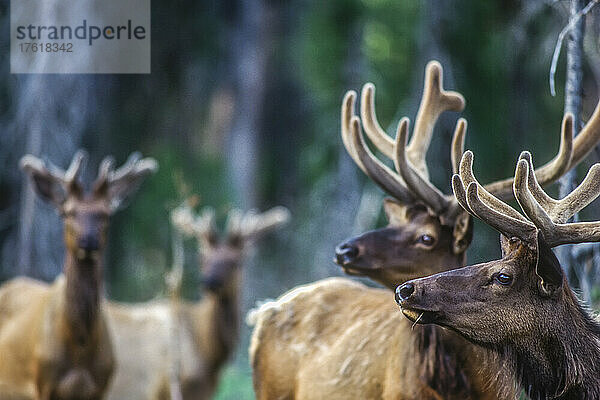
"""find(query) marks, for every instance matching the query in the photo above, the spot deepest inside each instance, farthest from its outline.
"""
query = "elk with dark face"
(220, 257)
(413, 244)
(215, 319)
(428, 232)
(415, 234)
(205, 333)
(53, 339)
(520, 306)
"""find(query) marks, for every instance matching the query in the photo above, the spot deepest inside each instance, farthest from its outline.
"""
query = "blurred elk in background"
(54, 339)
(347, 339)
(205, 332)
(521, 306)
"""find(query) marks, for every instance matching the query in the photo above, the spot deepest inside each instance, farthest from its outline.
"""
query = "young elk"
(206, 331)
(53, 338)
(520, 307)
(369, 351)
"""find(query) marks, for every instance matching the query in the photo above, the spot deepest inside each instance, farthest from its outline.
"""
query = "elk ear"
(509, 245)
(44, 183)
(548, 268)
(462, 233)
(396, 212)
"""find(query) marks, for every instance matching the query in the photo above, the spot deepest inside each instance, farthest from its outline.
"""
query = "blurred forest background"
(242, 108)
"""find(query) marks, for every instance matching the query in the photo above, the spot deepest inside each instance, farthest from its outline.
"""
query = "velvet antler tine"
(74, 169)
(502, 222)
(256, 224)
(468, 177)
(346, 116)
(460, 193)
(434, 102)
(588, 137)
(551, 171)
(376, 134)
(587, 191)
(550, 221)
(423, 189)
(458, 144)
(377, 171)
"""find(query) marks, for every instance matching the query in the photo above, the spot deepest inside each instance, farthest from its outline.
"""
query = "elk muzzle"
(407, 297)
(346, 253)
(89, 242)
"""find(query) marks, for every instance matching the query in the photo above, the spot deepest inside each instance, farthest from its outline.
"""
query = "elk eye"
(504, 279)
(427, 240)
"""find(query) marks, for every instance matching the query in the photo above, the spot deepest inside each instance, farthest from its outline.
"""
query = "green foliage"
(235, 384)
(503, 74)
(147, 242)
(348, 43)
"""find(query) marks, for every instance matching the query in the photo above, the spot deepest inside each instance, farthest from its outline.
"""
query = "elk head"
(518, 299)
(428, 231)
(221, 255)
(86, 213)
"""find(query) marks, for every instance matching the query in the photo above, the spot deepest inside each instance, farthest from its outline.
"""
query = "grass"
(235, 384)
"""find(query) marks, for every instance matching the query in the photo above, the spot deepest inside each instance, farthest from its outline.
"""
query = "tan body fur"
(325, 348)
(54, 339)
(142, 335)
(521, 307)
(194, 339)
(42, 349)
(349, 340)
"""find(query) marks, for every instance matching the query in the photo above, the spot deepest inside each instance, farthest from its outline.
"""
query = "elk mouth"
(87, 255)
(419, 316)
(351, 271)
(355, 270)
(350, 267)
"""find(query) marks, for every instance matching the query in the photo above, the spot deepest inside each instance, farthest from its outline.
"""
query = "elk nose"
(345, 253)
(88, 243)
(213, 283)
(404, 292)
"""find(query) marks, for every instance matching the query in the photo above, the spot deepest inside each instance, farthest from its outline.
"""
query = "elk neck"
(446, 361)
(439, 363)
(82, 296)
(566, 353)
(223, 311)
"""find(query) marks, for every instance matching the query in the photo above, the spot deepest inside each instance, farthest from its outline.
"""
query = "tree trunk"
(52, 116)
(249, 56)
(573, 92)
(52, 113)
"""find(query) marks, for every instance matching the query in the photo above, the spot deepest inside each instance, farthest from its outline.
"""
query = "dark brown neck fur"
(439, 355)
(82, 298)
(562, 360)
(451, 365)
(224, 317)
(439, 365)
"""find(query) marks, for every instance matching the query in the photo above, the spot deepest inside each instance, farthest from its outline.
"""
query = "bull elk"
(521, 306)
(54, 340)
(206, 332)
(347, 340)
